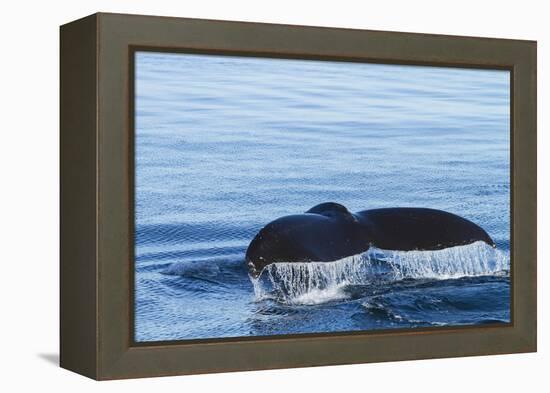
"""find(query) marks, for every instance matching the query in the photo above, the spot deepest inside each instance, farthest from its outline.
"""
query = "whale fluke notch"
(331, 210)
(326, 207)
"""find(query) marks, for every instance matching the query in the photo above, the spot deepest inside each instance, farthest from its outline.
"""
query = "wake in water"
(319, 282)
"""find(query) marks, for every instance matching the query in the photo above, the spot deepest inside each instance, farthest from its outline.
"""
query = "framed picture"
(241, 196)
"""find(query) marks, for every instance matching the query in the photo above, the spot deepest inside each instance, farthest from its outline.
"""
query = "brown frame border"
(97, 195)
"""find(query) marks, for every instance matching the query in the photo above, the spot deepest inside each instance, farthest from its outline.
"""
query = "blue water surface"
(225, 145)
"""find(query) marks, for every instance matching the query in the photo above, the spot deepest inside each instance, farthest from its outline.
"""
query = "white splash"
(319, 282)
(307, 283)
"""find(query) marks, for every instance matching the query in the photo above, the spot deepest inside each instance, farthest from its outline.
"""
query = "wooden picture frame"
(97, 195)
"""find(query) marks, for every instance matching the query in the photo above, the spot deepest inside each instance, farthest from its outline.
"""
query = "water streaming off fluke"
(318, 282)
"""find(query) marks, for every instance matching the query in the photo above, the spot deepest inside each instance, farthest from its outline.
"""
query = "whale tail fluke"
(329, 232)
(408, 228)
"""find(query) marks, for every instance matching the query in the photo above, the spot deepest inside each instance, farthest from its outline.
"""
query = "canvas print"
(288, 197)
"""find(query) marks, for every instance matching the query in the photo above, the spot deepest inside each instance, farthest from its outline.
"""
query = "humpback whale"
(328, 232)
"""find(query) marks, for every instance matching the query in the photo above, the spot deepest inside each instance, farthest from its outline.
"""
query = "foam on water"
(319, 282)
(202, 266)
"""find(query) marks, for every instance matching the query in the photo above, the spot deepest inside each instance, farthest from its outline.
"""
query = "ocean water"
(225, 145)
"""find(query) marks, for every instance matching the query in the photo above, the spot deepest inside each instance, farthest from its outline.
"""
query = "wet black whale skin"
(328, 232)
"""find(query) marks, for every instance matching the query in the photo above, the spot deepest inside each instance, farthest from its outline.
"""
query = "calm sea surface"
(225, 145)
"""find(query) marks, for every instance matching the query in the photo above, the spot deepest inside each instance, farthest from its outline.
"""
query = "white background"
(29, 193)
